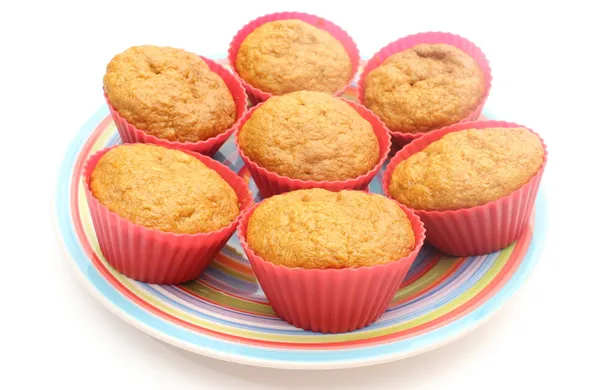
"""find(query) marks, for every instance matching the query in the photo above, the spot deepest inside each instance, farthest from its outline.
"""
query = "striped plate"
(224, 313)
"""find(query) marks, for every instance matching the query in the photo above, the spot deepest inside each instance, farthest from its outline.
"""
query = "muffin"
(467, 168)
(283, 56)
(425, 87)
(320, 229)
(330, 262)
(169, 93)
(163, 189)
(310, 135)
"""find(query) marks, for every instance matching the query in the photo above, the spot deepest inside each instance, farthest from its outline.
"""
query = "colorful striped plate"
(224, 313)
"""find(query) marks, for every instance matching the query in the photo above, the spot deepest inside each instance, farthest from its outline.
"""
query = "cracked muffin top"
(425, 87)
(467, 168)
(169, 93)
(291, 55)
(163, 189)
(310, 136)
(317, 228)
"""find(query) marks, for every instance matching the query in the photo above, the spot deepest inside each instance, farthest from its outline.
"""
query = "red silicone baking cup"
(270, 183)
(131, 134)
(430, 38)
(331, 300)
(155, 256)
(475, 230)
(333, 29)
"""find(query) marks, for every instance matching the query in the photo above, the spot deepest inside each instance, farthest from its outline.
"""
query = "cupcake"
(425, 82)
(473, 184)
(309, 139)
(287, 52)
(161, 214)
(330, 261)
(169, 96)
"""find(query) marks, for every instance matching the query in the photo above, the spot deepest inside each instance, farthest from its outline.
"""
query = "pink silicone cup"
(331, 300)
(475, 230)
(270, 183)
(429, 38)
(155, 256)
(131, 134)
(333, 29)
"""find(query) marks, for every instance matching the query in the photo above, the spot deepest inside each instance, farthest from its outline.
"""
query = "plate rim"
(471, 320)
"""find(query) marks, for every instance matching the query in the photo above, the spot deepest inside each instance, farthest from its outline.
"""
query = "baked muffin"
(291, 55)
(169, 93)
(467, 168)
(425, 87)
(310, 136)
(163, 189)
(317, 228)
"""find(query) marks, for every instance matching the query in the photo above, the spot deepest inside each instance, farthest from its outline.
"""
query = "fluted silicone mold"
(342, 36)
(407, 42)
(155, 256)
(474, 230)
(131, 134)
(331, 300)
(270, 183)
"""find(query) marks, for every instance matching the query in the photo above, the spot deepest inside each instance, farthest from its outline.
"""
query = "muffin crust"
(169, 93)
(317, 228)
(163, 189)
(467, 168)
(291, 55)
(310, 136)
(425, 87)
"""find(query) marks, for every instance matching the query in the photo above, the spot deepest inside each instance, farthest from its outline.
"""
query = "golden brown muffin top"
(467, 168)
(425, 87)
(163, 189)
(317, 228)
(310, 136)
(169, 93)
(291, 55)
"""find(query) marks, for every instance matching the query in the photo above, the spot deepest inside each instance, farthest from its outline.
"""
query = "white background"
(545, 66)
